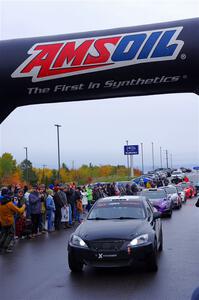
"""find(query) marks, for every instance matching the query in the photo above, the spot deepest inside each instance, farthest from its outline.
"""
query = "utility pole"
(152, 155)
(58, 149)
(171, 160)
(142, 153)
(167, 159)
(161, 157)
(26, 149)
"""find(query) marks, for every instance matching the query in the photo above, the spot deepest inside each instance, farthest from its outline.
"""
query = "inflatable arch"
(143, 60)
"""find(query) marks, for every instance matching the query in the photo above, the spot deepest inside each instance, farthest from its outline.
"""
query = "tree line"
(12, 173)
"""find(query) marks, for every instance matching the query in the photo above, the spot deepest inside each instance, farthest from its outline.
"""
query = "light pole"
(58, 149)
(167, 159)
(152, 155)
(171, 160)
(161, 157)
(26, 149)
(142, 153)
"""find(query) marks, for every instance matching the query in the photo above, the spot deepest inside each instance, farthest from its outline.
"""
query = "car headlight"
(142, 239)
(77, 241)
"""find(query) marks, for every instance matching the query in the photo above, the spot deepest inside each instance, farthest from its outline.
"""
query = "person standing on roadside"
(35, 209)
(50, 209)
(43, 196)
(71, 198)
(58, 206)
(84, 198)
(89, 196)
(7, 212)
(63, 197)
(20, 219)
(78, 205)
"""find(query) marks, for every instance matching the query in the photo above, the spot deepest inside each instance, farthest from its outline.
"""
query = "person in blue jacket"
(50, 209)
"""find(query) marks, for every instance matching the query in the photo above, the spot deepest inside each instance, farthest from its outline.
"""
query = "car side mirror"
(157, 215)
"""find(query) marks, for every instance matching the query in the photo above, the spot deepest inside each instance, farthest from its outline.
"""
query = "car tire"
(170, 213)
(152, 265)
(161, 242)
(74, 265)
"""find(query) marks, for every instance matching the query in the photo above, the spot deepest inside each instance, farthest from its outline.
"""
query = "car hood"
(157, 202)
(111, 229)
(174, 195)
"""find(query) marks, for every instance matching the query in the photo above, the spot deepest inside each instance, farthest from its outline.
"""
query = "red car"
(190, 190)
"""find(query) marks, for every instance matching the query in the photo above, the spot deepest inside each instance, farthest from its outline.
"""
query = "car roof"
(153, 189)
(123, 198)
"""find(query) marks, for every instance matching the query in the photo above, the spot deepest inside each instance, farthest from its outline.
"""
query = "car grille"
(106, 245)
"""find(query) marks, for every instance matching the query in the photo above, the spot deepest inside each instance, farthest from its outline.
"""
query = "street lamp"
(167, 159)
(171, 160)
(152, 155)
(142, 153)
(26, 149)
(161, 157)
(58, 149)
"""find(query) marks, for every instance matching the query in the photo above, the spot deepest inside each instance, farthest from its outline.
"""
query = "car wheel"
(152, 261)
(74, 265)
(170, 213)
(161, 242)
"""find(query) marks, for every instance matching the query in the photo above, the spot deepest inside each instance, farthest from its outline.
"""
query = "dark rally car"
(118, 231)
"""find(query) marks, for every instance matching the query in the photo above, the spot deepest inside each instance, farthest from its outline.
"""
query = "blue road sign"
(196, 168)
(131, 149)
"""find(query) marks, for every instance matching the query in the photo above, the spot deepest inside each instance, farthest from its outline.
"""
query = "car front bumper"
(121, 258)
(164, 211)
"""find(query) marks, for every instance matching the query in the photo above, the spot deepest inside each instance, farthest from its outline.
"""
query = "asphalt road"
(38, 268)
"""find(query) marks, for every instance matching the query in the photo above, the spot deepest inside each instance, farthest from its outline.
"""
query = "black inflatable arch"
(143, 60)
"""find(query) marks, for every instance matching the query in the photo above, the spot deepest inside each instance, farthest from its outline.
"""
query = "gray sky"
(95, 131)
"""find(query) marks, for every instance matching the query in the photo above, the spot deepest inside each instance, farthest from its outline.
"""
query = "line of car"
(122, 230)
(166, 198)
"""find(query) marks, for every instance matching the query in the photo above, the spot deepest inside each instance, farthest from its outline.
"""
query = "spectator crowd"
(28, 213)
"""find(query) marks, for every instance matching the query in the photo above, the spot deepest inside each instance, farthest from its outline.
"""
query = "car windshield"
(184, 185)
(177, 173)
(159, 194)
(171, 190)
(117, 209)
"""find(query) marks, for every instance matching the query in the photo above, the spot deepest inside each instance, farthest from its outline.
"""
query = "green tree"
(64, 166)
(53, 178)
(28, 173)
(7, 165)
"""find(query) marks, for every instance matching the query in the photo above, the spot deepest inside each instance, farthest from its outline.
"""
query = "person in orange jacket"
(7, 212)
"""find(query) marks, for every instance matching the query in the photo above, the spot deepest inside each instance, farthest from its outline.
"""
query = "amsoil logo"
(73, 57)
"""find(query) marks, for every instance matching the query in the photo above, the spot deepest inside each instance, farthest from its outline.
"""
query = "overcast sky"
(95, 131)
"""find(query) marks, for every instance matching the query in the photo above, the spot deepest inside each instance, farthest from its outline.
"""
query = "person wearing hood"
(7, 212)
(89, 196)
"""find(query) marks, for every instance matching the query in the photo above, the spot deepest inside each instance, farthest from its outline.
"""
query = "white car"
(178, 174)
(181, 193)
